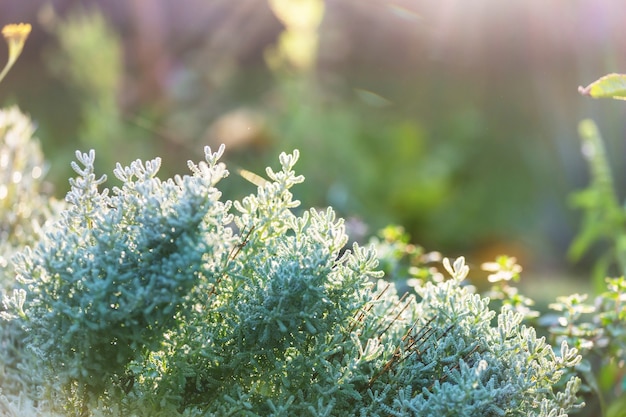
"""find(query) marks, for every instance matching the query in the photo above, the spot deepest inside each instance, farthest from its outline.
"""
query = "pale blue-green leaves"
(458, 270)
(157, 300)
(118, 271)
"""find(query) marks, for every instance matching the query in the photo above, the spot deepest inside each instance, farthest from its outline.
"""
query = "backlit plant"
(159, 298)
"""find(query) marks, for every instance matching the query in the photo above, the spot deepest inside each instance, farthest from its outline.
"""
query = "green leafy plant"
(597, 331)
(597, 328)
(604, 218)
(156, 298)
(608, 86)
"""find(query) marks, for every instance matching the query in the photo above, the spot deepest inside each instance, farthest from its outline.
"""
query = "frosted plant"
(23, 205)
(158, 298)
(455, 362)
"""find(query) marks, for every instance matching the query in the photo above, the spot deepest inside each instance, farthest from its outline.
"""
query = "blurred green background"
(455, 119)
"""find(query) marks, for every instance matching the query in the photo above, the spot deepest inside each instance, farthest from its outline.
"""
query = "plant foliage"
(157, 298)
(608, 86)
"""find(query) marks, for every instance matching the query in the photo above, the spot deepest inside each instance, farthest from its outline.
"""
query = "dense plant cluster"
(157, 298)
(23, 204)
(24, 208)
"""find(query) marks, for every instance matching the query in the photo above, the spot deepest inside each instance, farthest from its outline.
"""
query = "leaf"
(609, 86)
(250, 176)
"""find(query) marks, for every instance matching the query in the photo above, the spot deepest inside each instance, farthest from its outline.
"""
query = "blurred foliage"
(127, 84)
(403, 261)
(298, 43)
(604, 217)
(382, 171)
(23, 203)
(88, 59)
(608, 86)
(15, 35)
(22, 168)
(599, 328)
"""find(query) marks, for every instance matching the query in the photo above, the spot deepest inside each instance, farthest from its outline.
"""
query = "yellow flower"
(15, 35)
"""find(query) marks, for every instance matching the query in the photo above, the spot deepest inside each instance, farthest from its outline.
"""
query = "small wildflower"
(15, 35)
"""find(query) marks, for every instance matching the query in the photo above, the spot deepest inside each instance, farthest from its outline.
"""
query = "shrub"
(156, 298)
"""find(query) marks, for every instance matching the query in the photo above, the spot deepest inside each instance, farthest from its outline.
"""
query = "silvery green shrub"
(24, 207)
(159, 298)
